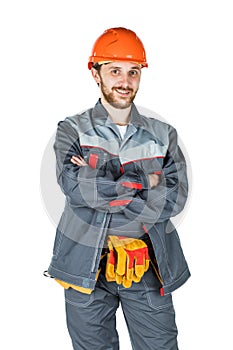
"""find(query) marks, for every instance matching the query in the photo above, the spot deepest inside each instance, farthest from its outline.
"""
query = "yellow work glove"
(110, 272)
(127, 260)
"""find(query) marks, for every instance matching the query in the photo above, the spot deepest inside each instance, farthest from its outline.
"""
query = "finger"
(74, 161)
(78, 161)
(154, 180)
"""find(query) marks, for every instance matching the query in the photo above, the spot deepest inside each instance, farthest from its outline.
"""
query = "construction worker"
(124, 177)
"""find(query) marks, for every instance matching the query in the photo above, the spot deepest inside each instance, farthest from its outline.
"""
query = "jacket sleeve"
(169, 197)
(89, 187)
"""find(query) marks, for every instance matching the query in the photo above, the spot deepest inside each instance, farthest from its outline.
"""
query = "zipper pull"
(162, 292)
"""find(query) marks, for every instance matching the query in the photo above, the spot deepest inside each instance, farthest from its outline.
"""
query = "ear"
(95, 75)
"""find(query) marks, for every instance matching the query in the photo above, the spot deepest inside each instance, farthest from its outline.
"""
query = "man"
(124, 177)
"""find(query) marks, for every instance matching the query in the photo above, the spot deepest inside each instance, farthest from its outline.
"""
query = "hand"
(154, 180)
(78, 160)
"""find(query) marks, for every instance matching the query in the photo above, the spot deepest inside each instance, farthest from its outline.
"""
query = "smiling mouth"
(123, 92)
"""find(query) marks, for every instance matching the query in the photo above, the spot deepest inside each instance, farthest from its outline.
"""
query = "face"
(119, 83)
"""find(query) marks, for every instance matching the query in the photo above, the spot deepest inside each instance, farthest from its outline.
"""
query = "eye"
(115, 71)
(133, 72)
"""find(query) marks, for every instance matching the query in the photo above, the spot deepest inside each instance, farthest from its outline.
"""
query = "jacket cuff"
(138, 181)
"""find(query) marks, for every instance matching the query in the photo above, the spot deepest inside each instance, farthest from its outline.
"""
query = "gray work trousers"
(150, 318)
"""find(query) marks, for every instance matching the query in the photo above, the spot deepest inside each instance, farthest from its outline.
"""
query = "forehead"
(122, 65)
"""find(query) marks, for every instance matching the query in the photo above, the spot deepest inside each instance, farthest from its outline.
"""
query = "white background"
(44, 78)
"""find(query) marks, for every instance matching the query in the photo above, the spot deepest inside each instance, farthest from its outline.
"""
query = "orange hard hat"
(118, 44)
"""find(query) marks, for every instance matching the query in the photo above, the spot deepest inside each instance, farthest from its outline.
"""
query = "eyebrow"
(136, 67)
(133, 67)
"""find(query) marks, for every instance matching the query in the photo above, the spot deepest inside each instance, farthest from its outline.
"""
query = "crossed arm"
(78, 160)
(158, 199)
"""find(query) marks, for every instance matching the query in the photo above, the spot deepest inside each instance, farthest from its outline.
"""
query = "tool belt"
(124, 261)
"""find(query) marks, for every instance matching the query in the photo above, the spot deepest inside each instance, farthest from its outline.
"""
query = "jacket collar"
(100, 113)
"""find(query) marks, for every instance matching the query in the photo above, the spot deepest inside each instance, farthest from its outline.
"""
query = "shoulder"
(79, 117)
(76, 121)
(154, 123)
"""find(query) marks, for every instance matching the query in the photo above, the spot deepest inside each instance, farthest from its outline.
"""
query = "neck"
(118, 116)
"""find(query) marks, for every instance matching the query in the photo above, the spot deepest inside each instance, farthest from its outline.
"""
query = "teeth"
(122, 91)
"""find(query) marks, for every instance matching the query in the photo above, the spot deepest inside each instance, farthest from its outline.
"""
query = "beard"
(114, 99)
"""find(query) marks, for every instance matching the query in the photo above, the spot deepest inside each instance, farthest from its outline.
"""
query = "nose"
(124, 80)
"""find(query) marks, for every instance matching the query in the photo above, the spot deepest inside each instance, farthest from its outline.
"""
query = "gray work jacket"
(113, 195)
